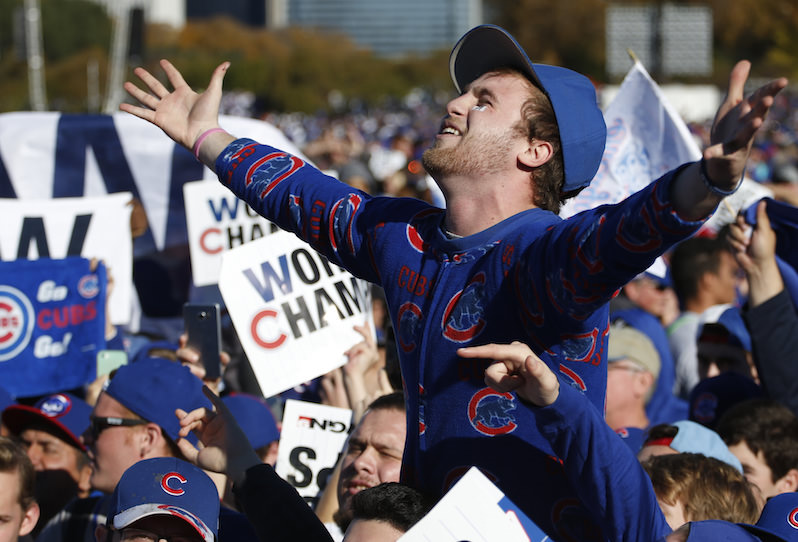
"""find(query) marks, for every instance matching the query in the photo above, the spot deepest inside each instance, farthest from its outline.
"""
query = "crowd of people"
(609, 402)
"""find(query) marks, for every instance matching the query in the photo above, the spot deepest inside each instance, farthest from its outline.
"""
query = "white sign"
(293, 310)
(474, 509)
(645, 139)
(92, 227)
(217, 221)
(311, 440)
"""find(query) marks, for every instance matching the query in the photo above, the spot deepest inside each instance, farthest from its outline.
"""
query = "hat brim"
(135, 513)
(487, 48)
(17, 418)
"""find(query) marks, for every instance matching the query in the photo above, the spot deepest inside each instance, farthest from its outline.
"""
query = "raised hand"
(736, 122)
(224, 446)
(517, 368)
(182, 113)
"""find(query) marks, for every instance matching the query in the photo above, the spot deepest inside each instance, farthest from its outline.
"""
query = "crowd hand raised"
(332, 390)
(516, 368)
(735, 124)
(182, 113)
(224, 447)
(755, 252)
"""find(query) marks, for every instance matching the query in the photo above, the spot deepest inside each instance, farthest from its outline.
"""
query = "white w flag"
(645, 139)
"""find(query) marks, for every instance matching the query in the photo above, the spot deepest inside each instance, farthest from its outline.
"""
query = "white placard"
(92, 227)
(311, 440)
(294, 312)
(475, 510)
(217, 221)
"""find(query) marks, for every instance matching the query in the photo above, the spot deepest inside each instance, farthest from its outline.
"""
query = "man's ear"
(789, 482)
(30, 519)
(151, 441)
(536, 153)
(84, 481)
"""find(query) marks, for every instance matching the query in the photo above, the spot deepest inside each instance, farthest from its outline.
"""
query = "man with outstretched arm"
(498, 264)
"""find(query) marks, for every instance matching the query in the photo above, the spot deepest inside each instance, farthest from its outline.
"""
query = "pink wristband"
(201, 138)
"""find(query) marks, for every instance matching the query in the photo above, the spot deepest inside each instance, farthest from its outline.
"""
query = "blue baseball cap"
(66, 415)
(695, 438)
(154, 387)
(583, 132)
(166, 486)
(711, 397)
(255, 418)
(716, 530)
(779, 518)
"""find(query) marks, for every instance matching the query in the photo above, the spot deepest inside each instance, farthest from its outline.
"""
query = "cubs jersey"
(533, 277)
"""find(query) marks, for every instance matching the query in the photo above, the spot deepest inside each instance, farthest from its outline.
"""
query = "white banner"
(92, 227)
(45, 155)
(311, 440)
(645, 139)
(293, 311)
(217, 222)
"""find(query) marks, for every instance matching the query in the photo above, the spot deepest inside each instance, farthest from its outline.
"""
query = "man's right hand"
(182, 113)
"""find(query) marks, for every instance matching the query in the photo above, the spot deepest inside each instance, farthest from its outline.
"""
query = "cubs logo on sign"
(490, 412)
(89, 286)
(56, 406)
(409, 326)
(16, 322)
(170, 483)
(463, 318)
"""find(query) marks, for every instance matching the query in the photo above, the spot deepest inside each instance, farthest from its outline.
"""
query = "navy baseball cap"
(583, 132)
(716, 530)
(154, 387)
(166, 486)
(712, 397)
(255, 418)
(67, 416)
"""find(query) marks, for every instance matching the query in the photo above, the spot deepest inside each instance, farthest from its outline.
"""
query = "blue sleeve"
(774, 339)
(601, 468)
(592, 254)
(329, 215)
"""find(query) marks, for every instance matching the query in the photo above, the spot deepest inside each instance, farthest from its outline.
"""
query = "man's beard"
(474, 155)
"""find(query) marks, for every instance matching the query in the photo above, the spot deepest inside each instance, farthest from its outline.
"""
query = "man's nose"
(459, 106)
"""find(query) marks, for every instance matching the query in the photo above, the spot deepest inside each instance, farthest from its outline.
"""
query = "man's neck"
(470, 211)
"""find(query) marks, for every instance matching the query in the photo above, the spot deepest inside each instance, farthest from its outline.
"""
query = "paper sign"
(217, 222)
(52, 324)
(92, 227)
(475, 510)
(294, 311)
(311, 440)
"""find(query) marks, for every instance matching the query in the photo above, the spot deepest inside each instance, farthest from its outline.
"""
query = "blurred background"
(343, 55)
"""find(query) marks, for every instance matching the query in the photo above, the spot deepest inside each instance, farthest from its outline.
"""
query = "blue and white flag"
(52, 324)
(646, 138)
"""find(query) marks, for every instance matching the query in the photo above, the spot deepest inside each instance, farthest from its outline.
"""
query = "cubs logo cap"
(66, 415)
(583, 132)
(779, 519)
(166, 486)
(154, 387)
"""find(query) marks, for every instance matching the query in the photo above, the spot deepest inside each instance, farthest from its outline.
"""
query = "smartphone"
(204, 331)
(110, 360)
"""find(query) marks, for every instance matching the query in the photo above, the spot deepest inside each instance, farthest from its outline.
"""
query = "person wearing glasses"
(162, 498)
(134, 419)
(50, 433)
(633, 366)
